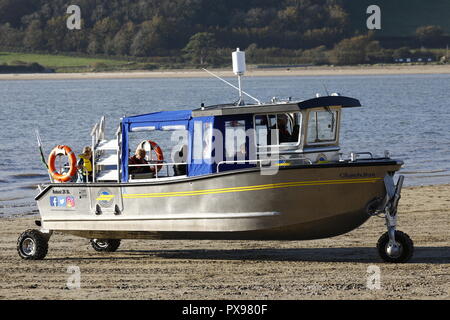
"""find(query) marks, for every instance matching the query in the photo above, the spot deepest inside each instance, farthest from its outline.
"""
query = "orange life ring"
(66, 151)
(159, 153)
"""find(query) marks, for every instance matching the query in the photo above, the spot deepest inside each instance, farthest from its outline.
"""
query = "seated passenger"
(180, 157)
(284, 133)
(139, 158)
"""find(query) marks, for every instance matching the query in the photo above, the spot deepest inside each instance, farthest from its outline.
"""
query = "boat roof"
(163, 118)
(232, 109)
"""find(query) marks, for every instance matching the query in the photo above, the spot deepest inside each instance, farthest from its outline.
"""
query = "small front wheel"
(399, 252)
(105, 245)
(32, 245)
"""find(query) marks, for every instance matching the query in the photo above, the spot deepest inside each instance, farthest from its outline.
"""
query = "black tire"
(32, 245)
(105, 245)
(406, 252)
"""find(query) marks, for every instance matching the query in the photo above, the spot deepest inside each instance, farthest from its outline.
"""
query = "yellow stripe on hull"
(105, 197)
(247, 188)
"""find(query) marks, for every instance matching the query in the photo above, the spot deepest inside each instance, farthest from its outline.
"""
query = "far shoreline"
(251, 72)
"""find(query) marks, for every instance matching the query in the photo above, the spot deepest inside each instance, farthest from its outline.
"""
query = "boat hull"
(296, 203)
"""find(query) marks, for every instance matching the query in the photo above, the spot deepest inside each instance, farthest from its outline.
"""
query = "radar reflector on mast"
(238, 62)
(239, 70)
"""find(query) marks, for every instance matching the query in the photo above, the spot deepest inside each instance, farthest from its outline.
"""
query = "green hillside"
(400, 18)
(179, 33)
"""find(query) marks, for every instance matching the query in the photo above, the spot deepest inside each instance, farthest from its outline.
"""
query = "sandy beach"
(335, 268)
(251, 72)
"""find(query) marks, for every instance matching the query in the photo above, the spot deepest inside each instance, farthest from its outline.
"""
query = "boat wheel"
(105, 245)
(399, 252)
(32, 245)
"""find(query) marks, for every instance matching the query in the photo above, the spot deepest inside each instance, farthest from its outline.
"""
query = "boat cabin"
(220, 138)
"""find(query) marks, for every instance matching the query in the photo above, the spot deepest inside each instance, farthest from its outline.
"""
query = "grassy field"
(74, 64)
(63, 63)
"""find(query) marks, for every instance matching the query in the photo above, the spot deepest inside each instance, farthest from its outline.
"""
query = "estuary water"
(409, 115)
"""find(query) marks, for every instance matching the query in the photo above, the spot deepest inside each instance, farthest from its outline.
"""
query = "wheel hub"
(394, 250)
(100, 243)
(28, 246)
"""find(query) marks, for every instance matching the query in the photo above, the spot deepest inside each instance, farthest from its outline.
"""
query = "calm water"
(408, 115)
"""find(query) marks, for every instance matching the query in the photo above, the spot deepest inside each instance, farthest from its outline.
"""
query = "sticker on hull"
(62, 201)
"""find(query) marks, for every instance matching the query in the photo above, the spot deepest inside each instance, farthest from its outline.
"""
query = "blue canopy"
(202, 144)
(164, 120)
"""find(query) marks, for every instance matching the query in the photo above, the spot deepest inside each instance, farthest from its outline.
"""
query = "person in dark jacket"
(139, 158)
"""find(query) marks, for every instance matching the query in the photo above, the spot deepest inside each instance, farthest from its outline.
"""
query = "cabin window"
(235, 140)
(202, 142)
(286, 125)
(207, 140)
(322, 126)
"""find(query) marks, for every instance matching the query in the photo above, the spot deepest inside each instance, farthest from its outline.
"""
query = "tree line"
(195, 31)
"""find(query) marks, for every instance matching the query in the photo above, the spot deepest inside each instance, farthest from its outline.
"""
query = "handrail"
(94, 129)
(102, 128)
(158, 163)
(97, 134)
(354, 155)
(98, 131)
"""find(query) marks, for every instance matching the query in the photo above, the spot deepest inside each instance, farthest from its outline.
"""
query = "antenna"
(326, 90)
(232, 85)
(38, 138)
(239, 70)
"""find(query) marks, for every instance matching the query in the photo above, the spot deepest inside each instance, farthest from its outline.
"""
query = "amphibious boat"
(261, 171)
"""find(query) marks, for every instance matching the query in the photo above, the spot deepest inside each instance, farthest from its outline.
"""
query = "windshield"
(322, 126)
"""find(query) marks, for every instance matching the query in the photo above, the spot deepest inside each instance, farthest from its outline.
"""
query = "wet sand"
(251, 72)
(335, 268)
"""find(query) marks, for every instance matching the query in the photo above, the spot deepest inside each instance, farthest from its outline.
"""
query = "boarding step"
(108, 175)
(107, 145)
(108, 160)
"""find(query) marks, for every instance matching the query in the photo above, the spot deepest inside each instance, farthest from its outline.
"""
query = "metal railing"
(157, 163)
(354, 155)
(97, 134)
(98, 131)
